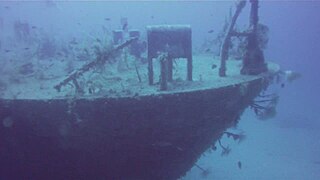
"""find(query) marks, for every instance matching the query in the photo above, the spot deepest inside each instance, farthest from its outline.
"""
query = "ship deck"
(121, 80)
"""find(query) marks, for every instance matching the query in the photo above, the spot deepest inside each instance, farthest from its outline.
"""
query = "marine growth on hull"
(127, 103)
(128, 62)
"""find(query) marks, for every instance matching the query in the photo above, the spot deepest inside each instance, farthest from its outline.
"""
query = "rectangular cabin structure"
(172, 39)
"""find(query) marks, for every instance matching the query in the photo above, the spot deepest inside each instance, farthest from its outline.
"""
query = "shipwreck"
(152, 121)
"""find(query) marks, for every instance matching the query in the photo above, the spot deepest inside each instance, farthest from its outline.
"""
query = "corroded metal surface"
(146, 137)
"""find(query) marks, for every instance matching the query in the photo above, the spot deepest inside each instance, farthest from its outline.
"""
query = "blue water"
(285, 147)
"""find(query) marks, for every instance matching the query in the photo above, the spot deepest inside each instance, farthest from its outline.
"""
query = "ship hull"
(147, 137)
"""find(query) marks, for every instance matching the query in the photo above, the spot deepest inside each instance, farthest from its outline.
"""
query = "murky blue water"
(284, 147)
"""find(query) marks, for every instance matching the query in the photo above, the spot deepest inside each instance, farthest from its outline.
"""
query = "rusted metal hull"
(148, 137)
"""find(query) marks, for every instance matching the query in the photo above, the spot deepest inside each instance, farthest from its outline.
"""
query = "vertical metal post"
(150, 70)
(164, 72)
(189, 69)
(170, 68)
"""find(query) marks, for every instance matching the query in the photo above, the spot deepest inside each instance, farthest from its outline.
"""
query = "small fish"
(239, 164)
(79, 24)
(152, 17)
(211, 31)
(179, 148)
(282, 85)
(7, 50)
(34, 27)
(162, 144)
(26, 48)
(107, 19)
(207, 50)
(213, 66)
(98, 40)
(7, 7)
(291, 75)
